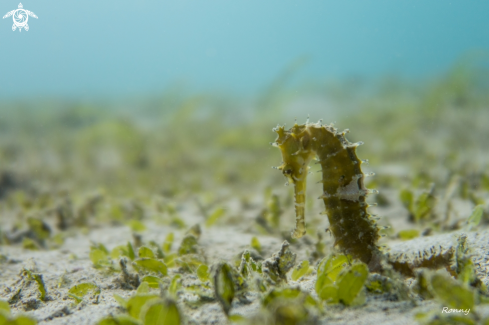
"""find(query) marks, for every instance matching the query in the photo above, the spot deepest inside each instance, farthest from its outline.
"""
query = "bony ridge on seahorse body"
(344, 193)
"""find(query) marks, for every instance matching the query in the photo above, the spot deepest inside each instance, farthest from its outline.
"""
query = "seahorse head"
(294, 154)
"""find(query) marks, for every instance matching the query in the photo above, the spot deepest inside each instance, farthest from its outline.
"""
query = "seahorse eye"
(288, 171)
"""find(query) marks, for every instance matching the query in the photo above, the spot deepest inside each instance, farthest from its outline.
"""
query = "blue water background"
(118, 48)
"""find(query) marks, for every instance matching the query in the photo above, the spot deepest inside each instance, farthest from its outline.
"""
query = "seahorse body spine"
(344, 193)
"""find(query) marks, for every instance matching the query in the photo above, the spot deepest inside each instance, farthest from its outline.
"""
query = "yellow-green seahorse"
(344, 193)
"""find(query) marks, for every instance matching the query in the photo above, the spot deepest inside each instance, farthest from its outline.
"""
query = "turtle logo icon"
(20, 16)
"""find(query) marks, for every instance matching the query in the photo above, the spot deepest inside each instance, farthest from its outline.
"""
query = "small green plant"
(152, 281)
(337, 281)
(150, 265)
(420, 209)
(40, 283)
(100, 256)
(119, 320)
(7, 319)
(145, 252)
(255, 244)
(224, 287)
(215, 217)
(79, 291)
(275, 269)
(136, 225)
(123, 250)
(301, 270)
(188, 246)
(288, 306)
(452, 293)
(248, 267)
(135, 304)
(160, 311)
(476, 217)
(167, 244)
(203, 273)
(408, 234)
(175, 285)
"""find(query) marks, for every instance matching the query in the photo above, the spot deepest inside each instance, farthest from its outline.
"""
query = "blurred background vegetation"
(179, 145)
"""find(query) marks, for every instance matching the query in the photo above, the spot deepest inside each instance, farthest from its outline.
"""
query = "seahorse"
(344, 192)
